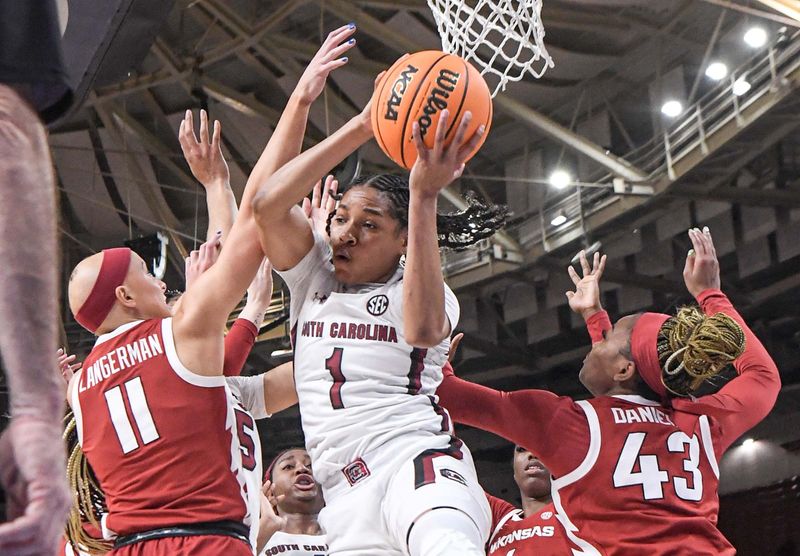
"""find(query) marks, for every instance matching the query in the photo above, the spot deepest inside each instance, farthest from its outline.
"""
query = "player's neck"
(532, 505)
(302, 524)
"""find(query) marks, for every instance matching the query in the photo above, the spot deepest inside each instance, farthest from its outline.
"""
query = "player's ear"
(123, 295)
(626, 372)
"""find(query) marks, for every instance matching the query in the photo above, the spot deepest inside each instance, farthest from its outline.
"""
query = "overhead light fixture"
(755, 37)
(740, 86)
(560, 179)
(672, 108)
(716, 71)
(281, 353)
(559, 219)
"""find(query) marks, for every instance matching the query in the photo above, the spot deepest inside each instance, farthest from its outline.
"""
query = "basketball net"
(504, 39)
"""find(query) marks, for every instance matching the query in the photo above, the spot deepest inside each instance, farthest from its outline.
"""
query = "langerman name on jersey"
(522, 534)
(640, 415)
(350, 331)
(120, 359)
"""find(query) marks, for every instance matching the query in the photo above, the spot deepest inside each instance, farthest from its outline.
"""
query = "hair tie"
(671, 358)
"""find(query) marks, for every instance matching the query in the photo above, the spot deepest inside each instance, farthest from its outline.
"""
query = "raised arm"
(585, 300)
(425, 322)
(748, 398)
(205, 308)
(208, 166)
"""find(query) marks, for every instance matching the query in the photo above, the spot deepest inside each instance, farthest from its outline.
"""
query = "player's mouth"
(342, 255)
(305, 482)
(534, 468)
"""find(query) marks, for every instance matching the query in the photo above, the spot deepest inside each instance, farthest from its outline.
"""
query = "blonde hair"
(89, 501)
(694, 347)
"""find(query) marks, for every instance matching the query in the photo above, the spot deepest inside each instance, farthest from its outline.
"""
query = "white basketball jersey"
(289, 544)
(359, 383)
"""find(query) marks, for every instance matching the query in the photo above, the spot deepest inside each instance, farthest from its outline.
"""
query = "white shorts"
(375, 515)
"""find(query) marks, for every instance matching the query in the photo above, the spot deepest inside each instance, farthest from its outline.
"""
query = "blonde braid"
(88, 501)
(694, 347)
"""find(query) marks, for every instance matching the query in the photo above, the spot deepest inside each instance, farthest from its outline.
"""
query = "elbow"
(260, 205)
(423, 337)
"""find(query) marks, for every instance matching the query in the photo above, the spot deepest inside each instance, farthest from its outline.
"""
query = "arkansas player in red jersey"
(172, 448)
(534, 529)
(636, 467)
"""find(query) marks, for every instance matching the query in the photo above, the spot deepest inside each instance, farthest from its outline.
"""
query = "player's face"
(367, 241)
(292, 478)
(608, 358)
(532, 478)
(147, 290)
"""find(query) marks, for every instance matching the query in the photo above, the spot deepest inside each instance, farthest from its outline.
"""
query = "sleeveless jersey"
(290, 544)
(513, 534)
(361, 386)
(659, 475)
(169, 446)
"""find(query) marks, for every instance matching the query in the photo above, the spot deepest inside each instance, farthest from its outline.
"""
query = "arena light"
(560, 179)
(748, 442)
(716, 71)
(672, 108)
(755, 37)
(559, 219)
(741, 86)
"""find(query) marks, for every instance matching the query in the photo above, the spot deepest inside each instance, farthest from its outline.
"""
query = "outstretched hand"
(585, 300)
(328, 58)
(701, 271)
(32, 464)
(205, 156)
(435, 168)
(202, 259)
(321, 204)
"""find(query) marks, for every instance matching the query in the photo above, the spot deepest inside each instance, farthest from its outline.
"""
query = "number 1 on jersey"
(140, 411)
(334, 366)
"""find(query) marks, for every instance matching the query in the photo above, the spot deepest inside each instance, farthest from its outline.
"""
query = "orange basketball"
(418, 88)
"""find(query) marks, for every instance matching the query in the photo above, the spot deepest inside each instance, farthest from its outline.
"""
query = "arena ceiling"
(730, 162)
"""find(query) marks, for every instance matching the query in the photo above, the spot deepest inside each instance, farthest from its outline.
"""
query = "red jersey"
(169, 447)
(631, 476)
(513, 534)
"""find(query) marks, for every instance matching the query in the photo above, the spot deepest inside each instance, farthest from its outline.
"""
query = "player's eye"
(370, 225)
(339, 219)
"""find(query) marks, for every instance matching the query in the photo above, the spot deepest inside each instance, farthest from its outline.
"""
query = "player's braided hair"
(89, 500)
(694, 347)
(456, 231)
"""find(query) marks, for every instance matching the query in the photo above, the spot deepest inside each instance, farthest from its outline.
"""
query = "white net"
(504, 39)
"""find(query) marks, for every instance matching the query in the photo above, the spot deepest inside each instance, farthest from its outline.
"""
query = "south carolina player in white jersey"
(370, 339)
(159, 425)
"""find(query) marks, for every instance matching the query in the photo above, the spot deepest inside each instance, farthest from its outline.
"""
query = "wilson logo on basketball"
(437, 100)
(377, 305)
(398, 89)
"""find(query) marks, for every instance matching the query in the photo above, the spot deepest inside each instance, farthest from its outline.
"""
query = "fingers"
(454, 343)
(204, 128)
(585, 264)
(573, 275)
(186, 134)
(601, 266)
(326, 192)
(331, 190)
(337, 36)
(422, 150)
(688, 267)
(215, 140)
(315, 195)
(307, 207)
(441, 133)
(378, 79)
(461, 132)
(697, 241)
(470, 146)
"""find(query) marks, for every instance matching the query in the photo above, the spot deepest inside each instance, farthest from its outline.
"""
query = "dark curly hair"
(456, 231)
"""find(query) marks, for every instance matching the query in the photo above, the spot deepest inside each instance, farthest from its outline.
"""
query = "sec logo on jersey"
(546, 515)
(377, 305)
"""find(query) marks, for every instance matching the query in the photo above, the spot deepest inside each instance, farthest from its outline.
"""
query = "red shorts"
(210, 545)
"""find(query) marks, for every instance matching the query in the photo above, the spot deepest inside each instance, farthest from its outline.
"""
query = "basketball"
(418, 88)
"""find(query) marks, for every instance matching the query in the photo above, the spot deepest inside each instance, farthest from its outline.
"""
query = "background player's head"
(115, 285)
(290, 473)
(659, 356)
(531, 476)
(369, 229)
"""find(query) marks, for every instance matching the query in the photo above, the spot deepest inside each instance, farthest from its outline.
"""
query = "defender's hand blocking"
(585, 300)
(701, 271)
(32, 475)
(328, 58)
(204, 156)
(435, 168)
(202, 259)
(321, 204)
